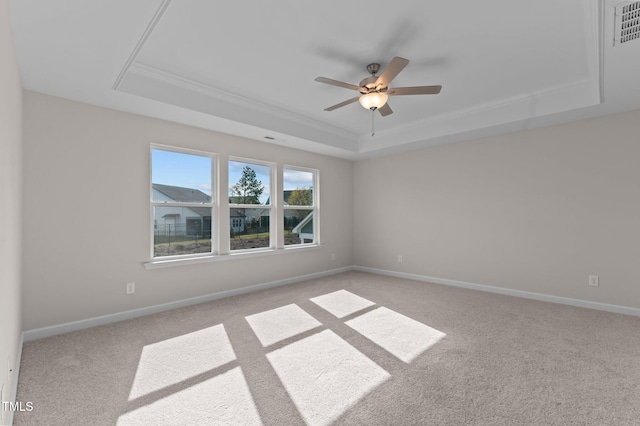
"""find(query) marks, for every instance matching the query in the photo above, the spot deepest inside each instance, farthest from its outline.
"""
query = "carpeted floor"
(353, 348)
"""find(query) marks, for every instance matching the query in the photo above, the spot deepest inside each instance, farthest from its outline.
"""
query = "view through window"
(299, 206)
(182, 202)
(186, 221)
(250, 206)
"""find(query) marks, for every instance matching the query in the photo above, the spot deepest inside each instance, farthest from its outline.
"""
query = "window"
(250, 206)
(300, 206)
(181, 202)
(186, 222)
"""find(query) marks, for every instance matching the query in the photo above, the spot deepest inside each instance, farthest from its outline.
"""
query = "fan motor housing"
(378, 87)
(373, 68)
(369, 85)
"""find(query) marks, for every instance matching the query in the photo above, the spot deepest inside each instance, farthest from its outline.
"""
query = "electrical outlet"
(131, 288)
(399, 258)
(594, 281)
(333, 256)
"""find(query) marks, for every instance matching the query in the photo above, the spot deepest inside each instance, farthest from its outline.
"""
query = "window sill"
(167, 263)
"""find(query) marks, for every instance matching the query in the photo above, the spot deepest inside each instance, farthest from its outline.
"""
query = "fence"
(184, 232)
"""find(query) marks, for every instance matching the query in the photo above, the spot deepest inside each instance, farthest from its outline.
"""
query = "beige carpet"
(354, 348)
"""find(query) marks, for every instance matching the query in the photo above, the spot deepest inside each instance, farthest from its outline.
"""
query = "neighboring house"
(241, 218)
(196, 221)
(193, 221)
(290, 216)
(304, 229)
(237, 220)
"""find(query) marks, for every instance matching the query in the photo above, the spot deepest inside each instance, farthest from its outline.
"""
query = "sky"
(194, 171)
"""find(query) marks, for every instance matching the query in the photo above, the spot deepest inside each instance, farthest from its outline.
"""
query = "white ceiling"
(248, 67)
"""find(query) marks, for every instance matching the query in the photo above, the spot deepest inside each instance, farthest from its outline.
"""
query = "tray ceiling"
(249, 68)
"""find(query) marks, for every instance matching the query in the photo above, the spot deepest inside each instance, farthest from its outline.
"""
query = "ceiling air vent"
(627, 22)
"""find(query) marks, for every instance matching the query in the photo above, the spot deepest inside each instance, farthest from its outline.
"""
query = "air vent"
(627, 22)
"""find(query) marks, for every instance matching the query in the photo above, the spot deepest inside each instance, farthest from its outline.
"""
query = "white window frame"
(273, 227)
(315, 191)
(212, 205)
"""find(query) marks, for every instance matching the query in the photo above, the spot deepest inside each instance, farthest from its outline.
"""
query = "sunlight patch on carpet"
(324, 375)
(400, 335)
(177, 359)
(342, 303)
(281, 323)
(221, 400)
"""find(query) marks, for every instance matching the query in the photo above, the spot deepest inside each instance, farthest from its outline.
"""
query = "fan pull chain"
(373, 114)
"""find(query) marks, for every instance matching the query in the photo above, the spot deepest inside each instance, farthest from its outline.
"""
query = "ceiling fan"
(375, 91)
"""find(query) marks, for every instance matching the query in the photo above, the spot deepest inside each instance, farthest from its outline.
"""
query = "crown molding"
(524, 108)
(528, 109)
(153, 83)
(141, 42)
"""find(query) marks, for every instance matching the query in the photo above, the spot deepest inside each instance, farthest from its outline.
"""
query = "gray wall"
(536, 210)
(10, 205)
(87, 213)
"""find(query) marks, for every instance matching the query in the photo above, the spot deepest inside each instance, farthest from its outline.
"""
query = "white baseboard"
(53, 330)
(39, 333)
(507, 291)
(14, 388)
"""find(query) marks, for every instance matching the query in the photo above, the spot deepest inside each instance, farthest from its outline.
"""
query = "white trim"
(162, 262)
(213, 205)
(143, 40)
(38, 333)
(15, 374)
(252, 161)
(53, 330)
(618, 309)
(216, 93)
(274, 227)
(315, 193)
(160, 146)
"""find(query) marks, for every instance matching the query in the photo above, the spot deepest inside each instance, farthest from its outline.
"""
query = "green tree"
(300, 197)
(248, 189)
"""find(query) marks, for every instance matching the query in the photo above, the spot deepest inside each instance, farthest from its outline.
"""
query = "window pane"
(249, 228)
(249, 183)
(298, 227)
(298, 187)
(180, 177)
(181, 230)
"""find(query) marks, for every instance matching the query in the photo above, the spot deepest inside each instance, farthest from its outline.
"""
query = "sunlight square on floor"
(400, 335)
(324, 376)
(281, 323)
(174, 360)
(342, 303)
(223, 399)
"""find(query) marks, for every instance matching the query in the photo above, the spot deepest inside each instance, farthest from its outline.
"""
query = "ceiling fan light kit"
(373, 100)
(375, 91)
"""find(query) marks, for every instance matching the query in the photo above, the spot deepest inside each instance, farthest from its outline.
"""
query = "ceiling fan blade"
(341, 104)
(337, 83)
(396, 65)
(385, 110)
(417, 90)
